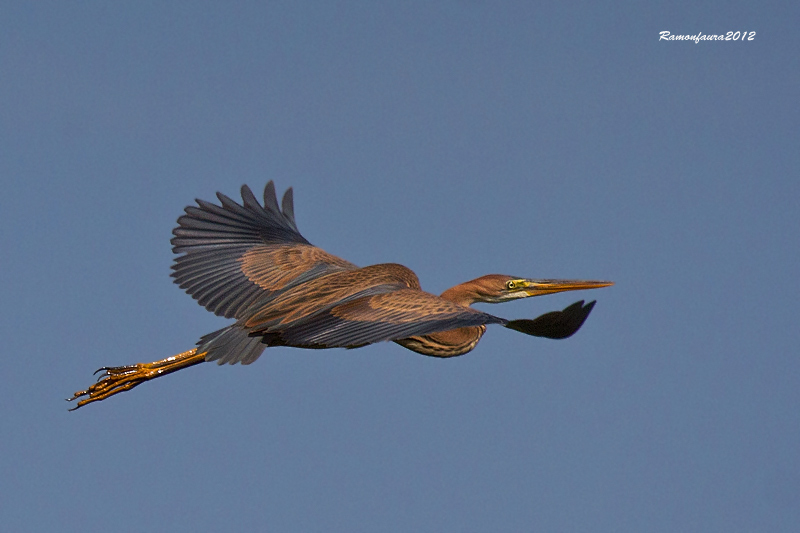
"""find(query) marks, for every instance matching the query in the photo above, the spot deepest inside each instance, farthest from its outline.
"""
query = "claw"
(122, 378)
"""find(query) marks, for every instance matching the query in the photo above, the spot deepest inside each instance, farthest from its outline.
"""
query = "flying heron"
(249, 262)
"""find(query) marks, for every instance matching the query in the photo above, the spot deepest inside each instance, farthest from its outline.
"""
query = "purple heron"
(250, 263)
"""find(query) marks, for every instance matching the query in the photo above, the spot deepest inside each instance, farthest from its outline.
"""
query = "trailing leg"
(118, 379)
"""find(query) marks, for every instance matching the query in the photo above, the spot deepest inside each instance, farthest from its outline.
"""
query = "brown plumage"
(250, 263)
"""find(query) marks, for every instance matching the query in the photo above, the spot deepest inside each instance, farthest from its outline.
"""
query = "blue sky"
(459, 139)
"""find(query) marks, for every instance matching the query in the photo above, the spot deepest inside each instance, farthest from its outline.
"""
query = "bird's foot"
(116, 379)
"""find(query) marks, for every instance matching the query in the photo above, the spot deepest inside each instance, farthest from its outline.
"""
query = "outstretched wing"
(239, 256)
(557, 324)
(380, 313)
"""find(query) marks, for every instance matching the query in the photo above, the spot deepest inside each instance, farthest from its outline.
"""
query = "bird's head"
(497, 288)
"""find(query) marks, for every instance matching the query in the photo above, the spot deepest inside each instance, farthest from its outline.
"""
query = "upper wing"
(237, 256)
(556, 324)
(380, 313)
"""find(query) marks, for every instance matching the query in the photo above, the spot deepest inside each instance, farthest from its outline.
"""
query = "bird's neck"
(462, 294)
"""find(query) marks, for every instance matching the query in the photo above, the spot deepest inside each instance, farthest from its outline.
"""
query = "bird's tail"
(231, 345)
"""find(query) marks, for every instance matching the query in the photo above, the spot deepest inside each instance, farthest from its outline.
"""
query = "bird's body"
(445, 343)
(250, 263)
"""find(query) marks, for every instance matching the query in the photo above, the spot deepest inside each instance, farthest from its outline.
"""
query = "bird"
(248, 262)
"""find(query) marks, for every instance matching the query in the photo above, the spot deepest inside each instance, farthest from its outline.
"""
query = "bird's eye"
(510, 285)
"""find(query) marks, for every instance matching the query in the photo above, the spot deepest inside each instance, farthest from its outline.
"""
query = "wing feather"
(555, 324)
(233, 256)
(287, 205)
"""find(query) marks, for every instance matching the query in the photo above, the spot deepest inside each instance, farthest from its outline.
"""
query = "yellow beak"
(538, 287)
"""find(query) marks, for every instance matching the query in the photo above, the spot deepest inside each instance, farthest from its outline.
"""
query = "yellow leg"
(121, 378)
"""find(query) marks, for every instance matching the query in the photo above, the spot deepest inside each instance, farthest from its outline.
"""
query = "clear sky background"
(459, 138)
